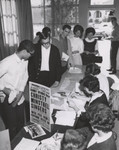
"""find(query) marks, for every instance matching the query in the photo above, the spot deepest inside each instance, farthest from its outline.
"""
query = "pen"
(56, 134)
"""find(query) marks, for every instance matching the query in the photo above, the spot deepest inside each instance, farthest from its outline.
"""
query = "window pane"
(36, 2)
(48, 17)
(102, 2)
(99, 19)
(47, 2)
(38, 15)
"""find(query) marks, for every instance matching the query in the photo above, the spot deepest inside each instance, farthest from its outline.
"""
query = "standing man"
(13, 79)
(61, 42)
(45, 65)
(114, 45)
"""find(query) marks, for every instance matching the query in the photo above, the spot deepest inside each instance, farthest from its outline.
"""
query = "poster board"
(40, 102)
(5, 140)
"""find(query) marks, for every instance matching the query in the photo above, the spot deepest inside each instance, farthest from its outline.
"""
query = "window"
(99, 16)
(101, 2)
(54, 14)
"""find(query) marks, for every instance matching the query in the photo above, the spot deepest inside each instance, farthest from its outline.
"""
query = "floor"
(104, 49)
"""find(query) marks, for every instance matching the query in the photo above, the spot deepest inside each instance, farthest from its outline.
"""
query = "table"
(73, 78)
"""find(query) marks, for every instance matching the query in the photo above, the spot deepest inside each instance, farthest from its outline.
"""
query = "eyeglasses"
(47, 43)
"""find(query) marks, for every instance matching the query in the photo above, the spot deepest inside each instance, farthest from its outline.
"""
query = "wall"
(83, 13)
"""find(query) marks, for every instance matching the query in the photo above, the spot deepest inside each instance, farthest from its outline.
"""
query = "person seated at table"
(102, 122)
(45, 66)
(76, 46)
(90, 87)
(90, 48)
(76, 139)
(95, 70)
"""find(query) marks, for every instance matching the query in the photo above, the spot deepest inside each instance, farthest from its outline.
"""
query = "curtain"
(15, 25)
(25, 26)
(2, 55)
(8, 28)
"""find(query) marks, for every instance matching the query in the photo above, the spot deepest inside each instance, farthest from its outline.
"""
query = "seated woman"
(76, 46)
(102, 121)
(94, 69)
(90, 48)
(75, 139)
(90, 86)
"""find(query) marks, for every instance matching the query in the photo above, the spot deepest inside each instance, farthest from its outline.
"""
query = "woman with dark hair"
(90, 87)
(90, 47)
(102, 121)
(95, 70)
(76, 46)
(75, 139)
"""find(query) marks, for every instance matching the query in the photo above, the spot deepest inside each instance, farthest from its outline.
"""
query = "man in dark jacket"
(45, 66)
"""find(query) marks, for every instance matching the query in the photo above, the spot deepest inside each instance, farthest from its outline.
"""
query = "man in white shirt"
(13, 79)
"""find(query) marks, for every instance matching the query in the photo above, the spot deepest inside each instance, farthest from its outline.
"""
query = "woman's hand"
(55, 84)
(73, 105)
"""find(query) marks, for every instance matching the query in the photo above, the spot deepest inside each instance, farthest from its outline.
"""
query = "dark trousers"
(13, 117)
(113, 54)
(45, 78)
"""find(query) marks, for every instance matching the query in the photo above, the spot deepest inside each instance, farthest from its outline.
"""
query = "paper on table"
(74, 70)
(65, 57)
(27, 144)
(53, 142)
(65, 118)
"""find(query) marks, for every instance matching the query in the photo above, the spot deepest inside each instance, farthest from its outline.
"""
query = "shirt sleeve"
(96, 46)
(24, 78)
(82, 46)
(4, 65)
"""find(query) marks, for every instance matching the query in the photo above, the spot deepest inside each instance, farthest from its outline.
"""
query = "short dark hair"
(90, 82)
(78, 27)
(27, 45)
(93, 69)
(113, 18)
(89, 30)
(101, 117)
(46, 30)
(66, 26)
(73, 140)
(38, 34)
(44, 35)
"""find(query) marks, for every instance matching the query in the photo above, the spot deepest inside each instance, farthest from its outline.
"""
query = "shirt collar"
(102, 139)
(43, 48)
(97, 139)
(17, 58)
(91, 40)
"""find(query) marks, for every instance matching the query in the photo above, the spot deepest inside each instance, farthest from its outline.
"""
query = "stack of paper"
(74, 70)
(52, 143)
(65, 118)
(27, 144)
